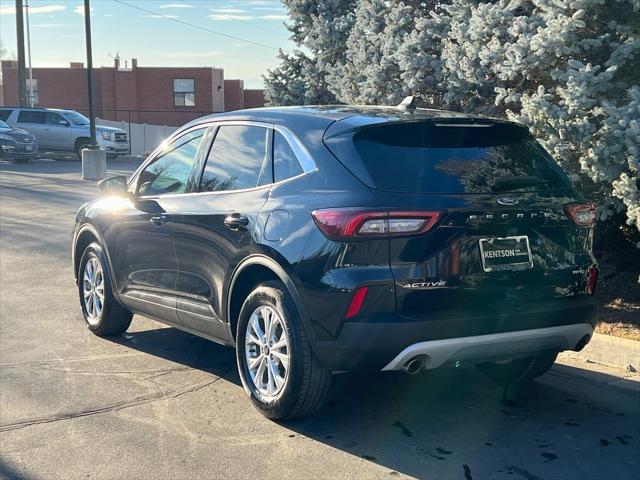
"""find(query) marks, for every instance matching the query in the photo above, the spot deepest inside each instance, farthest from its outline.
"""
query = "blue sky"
(57, 33)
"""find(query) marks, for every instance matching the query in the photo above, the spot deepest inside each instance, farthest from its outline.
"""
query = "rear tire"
(299, 390)
(518, 370)
(102, 313)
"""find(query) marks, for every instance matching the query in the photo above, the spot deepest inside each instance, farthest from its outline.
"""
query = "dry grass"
(620, 302)
(623, 330)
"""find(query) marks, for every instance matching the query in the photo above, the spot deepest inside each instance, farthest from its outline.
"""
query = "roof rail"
(409, 103)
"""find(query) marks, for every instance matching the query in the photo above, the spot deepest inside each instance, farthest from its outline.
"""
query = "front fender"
(84, 234)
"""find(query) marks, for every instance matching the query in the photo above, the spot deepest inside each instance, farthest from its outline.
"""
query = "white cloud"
(33, 10)
(274, 17)
(274, 8)
(230, 17)
(80, 10)
(226, 10)
(176, 5)
(47, 9)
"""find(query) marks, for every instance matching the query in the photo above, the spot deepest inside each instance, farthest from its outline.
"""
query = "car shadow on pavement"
(455, 423)
(184, 348)
(452, 422)
(8, 472)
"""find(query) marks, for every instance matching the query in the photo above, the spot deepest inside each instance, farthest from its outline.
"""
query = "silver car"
(58, 130)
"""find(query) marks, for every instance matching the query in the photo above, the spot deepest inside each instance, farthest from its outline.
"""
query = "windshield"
(77, 118)
(425, 157)
(3, 124)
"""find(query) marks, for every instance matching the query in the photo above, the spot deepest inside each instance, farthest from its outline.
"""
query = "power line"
(232, 18)
(182, 22)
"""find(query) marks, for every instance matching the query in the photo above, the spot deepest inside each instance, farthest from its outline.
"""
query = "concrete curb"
(613, 351)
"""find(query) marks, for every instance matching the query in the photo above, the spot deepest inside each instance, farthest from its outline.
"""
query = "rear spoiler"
(440, 119)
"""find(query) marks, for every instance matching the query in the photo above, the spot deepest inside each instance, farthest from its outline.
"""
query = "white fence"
(144, 138)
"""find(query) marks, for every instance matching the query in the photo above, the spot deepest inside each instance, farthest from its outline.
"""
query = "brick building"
(237, 97)
(154, 95)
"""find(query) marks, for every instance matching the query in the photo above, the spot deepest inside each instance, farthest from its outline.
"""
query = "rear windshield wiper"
(507, 183)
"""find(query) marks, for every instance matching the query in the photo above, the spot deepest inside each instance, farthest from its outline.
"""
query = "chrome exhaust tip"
(414, 365)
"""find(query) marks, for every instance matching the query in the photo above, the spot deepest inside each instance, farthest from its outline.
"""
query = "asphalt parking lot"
(159, 403)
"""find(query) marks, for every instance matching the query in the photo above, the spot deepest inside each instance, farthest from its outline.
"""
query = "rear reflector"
(356, 302)
(583, 215)
(354, 223)
(592, 279)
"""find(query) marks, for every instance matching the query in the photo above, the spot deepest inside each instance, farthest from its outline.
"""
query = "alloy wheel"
(267, 351)
(93, 290)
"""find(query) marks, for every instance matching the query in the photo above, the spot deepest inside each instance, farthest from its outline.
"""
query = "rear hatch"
(511, 232)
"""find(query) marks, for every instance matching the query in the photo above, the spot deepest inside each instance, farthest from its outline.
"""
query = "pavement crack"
(107, 373)
(20, 424)
(70, 360)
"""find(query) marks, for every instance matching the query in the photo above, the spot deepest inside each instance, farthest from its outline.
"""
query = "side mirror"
(113, 186)
(64, 123)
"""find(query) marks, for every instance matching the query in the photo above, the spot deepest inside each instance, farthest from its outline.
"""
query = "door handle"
(235, 221)
(159, 220)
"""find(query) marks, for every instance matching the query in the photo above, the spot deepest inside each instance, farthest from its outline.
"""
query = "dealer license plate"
(508, 253)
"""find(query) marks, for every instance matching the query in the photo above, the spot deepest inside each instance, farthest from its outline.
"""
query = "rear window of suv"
(433, 157)
(32, 116)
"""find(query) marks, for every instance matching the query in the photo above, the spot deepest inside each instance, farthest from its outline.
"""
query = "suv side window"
(55, 118)
(169, 172)
(32, 116)
(285, 162)
(238, 159)
(4, 114)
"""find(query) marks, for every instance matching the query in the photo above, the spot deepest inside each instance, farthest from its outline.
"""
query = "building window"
(32, 100)
(184, 92)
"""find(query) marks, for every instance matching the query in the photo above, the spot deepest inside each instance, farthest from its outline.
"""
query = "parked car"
(66, 131)
(324, 239)
(16, 144)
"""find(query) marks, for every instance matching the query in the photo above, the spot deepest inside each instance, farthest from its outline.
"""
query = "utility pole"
(31, 99)
(87, 32)
(94, 160)
(22, 81)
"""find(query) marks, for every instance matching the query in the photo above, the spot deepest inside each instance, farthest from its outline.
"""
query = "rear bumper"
(436, 353)
(383, 344)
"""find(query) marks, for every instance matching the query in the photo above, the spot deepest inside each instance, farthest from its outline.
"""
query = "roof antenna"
(409, 103)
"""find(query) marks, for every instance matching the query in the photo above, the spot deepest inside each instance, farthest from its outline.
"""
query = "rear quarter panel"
(326, 273)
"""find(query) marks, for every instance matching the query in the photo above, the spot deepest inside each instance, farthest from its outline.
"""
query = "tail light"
(583, 215)
(592, 279)
(357, 223)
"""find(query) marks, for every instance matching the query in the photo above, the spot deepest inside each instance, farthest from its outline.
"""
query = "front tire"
(518, 370)
(81, 144)
(102, 313)
(276, 364)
